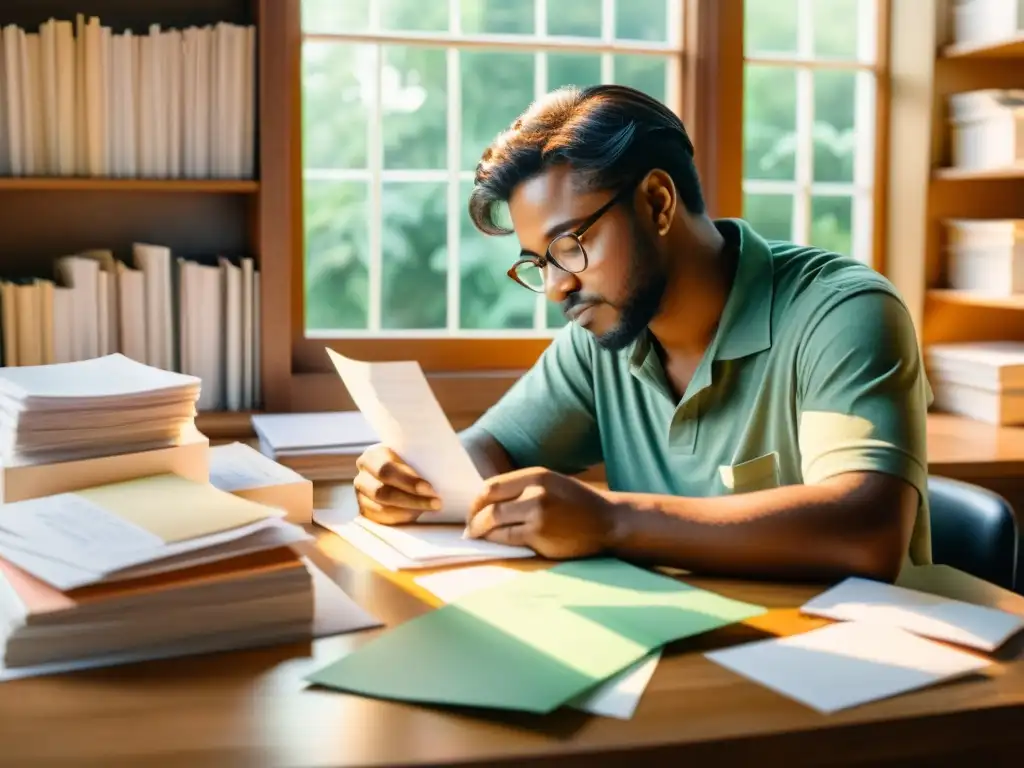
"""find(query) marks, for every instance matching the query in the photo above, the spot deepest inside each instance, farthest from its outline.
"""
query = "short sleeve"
(863, 398)
(547, 417)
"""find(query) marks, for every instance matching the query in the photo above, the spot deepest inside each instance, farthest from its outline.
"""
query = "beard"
(648, 282)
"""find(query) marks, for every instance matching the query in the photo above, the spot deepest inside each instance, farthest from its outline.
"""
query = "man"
(759, 407)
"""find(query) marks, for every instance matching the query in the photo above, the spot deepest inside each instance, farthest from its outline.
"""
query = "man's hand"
(389, 491)
(556, 516)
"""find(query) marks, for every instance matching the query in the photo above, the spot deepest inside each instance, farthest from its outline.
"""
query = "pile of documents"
(535, 642)
(153, 567)
(98, 407)
(319, 446)
(589, 634)
(981, 380)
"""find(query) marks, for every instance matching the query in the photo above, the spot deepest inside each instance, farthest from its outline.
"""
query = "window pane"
(831, 218)
(506, 17)
(488, 299)
(770, 26)
(332, 16)
(496, 88)
(581, 69)
(835, 138)
(581, 19)
(769, 123)
(645, 73)
(770, 215)
(336, 82)
(553, 314)
(412, 15)
(414, 249)
(414, 108)
(642, 19)
(835, 28)
(336, 221)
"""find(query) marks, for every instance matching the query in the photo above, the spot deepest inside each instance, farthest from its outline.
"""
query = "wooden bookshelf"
(923, 188)
(43, 218)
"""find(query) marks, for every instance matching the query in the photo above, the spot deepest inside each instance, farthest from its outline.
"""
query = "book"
(243, 471)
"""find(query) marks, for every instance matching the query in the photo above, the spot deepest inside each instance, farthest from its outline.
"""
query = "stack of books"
(117, 545)
(319, 446)
(80, 99)
(982, 380)
(197, 315)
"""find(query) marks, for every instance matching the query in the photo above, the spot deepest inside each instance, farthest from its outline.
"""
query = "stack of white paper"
(879, 648)
(411, 547)
(98, 407)
(319, 446)
(143, 565)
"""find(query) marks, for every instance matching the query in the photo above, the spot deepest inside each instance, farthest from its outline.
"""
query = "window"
(399, 99)
(809, 155)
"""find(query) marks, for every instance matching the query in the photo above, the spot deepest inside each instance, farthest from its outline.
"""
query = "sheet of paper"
(175, 508)
(342, 522)
(436, 542)
(847, 664)
(335, 613)
(924, 614)
(240, 467)
(65, 568)
(306, 432)
(618, 697)
(400, 406)
(532, 643)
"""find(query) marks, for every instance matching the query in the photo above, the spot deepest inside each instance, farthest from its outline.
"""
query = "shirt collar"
(746, 325)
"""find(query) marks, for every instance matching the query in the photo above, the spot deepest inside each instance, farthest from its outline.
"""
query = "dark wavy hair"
(610, 135)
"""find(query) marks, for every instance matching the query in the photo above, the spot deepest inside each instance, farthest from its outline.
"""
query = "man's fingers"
(503, 513)
(383, 463)
(507, 486)
(379, 513)
(511, 535)
(389, 495)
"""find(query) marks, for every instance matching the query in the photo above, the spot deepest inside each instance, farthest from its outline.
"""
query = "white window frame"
(803, 188)
(454, 41)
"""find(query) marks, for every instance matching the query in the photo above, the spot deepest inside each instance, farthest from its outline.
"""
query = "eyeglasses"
(566, 251)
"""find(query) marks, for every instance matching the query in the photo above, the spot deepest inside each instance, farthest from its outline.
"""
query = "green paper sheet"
(534, 642)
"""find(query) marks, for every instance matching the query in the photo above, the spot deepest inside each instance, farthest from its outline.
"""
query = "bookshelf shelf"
(1012, 47)
(968, 174)
(78, 184)
(969, 299)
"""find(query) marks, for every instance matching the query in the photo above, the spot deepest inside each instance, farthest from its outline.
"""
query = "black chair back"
(973, 530)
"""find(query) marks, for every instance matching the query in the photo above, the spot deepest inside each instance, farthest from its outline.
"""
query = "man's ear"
(660, 198)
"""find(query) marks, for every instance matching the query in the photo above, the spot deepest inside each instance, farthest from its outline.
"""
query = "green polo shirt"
(814, 370)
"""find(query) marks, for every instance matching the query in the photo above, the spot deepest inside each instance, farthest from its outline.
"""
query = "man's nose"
(558, 283)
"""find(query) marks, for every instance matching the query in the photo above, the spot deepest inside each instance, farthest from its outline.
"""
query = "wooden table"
(253, 709)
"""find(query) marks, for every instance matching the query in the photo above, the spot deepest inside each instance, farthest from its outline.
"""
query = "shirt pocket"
(757, 474)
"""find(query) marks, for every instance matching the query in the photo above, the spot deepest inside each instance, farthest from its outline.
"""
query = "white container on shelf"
(987, 21)
(985, 256)
(987, 128)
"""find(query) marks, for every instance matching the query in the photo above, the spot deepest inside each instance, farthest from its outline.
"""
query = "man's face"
(620, 291)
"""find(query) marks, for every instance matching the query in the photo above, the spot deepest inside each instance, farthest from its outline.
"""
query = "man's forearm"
(856, 525)
(486, 452)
